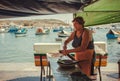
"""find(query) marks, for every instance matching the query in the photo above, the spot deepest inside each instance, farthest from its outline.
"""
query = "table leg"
(119, 69)
(41, 68)
(100, 58)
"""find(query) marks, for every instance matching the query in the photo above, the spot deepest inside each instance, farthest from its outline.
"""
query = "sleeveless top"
(77, 42)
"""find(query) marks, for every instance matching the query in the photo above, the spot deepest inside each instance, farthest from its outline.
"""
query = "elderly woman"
(82, 43)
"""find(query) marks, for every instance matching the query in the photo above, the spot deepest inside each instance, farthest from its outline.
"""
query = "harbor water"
(20, 49)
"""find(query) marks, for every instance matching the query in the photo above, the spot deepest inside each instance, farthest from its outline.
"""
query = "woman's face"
(77, 25)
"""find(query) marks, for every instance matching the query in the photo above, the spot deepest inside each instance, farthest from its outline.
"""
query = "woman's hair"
(79, 19)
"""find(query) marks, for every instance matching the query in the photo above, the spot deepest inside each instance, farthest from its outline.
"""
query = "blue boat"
(21, 32)
(13, 29)
(112, 34)
(58, 29)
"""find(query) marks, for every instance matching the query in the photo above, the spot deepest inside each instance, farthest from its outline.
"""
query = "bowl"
(66, 64)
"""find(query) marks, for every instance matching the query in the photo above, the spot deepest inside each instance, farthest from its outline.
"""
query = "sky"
(64, 17)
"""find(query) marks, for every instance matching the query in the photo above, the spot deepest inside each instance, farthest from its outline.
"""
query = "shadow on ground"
(113, 75)
(26, 79)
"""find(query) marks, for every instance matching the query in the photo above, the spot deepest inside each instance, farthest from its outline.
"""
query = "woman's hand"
(64, 52)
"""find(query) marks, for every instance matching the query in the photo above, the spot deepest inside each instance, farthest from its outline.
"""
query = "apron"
(86, 55)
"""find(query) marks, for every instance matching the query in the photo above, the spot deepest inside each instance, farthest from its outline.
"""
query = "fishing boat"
(112, 34)
(21, 32)
(13, 29)
(3, 30)
(92, 29)
(63, 34)
(41, 31)
(58, 29)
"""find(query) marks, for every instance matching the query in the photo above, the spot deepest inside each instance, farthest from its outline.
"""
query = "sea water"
(20, 49)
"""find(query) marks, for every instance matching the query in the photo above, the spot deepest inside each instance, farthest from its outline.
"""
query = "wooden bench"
(101, 56)
(41, 50)
(41, 61)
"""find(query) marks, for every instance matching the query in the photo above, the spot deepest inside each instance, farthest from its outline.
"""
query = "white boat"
(63, 34)
(41, 31)
(20, 35)
(3, 30)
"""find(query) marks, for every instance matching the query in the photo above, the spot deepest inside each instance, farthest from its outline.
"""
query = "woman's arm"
(70, 38)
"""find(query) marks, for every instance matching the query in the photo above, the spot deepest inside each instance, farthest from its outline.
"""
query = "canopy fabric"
(18, 8)
(101, 12)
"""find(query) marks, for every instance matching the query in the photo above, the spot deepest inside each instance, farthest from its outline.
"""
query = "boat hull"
(20, 35)
(111, 36)
(40, 33)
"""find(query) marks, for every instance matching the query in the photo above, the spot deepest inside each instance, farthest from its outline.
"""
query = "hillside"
(35, 23)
